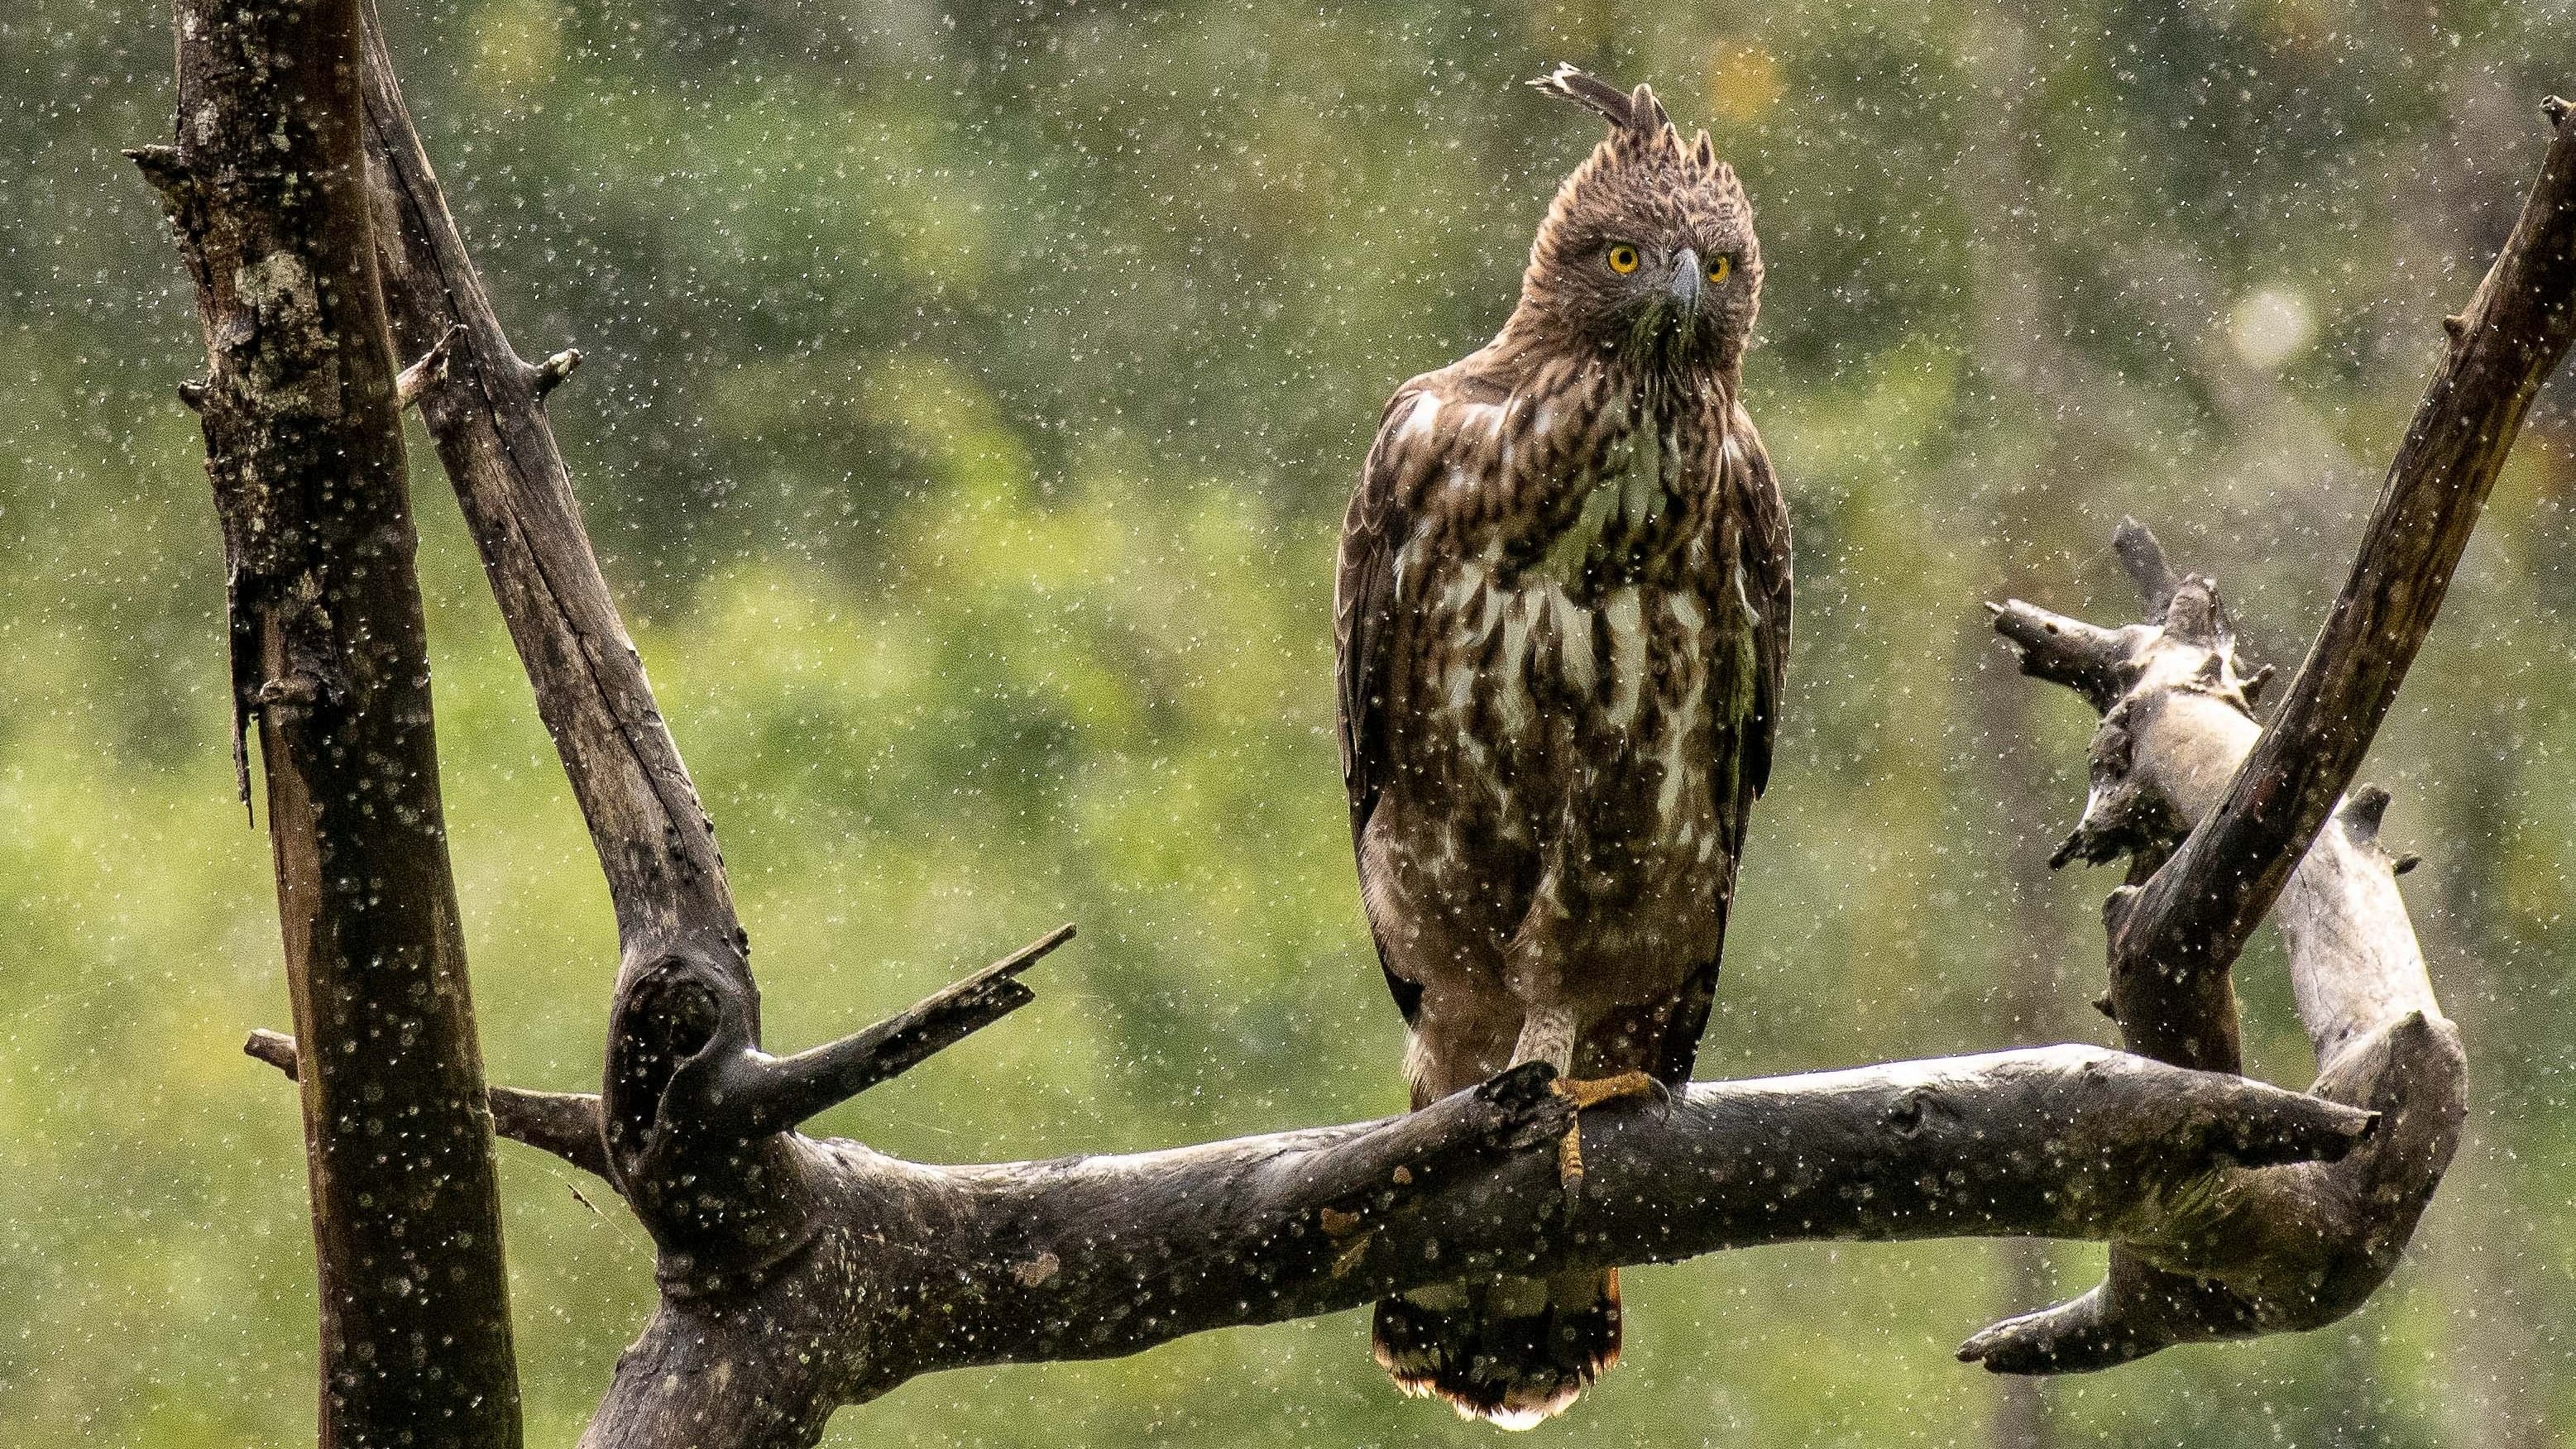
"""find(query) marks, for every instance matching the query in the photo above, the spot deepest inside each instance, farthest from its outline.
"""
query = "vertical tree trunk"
(266, 189)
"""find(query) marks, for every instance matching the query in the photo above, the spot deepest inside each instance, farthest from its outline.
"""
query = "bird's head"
(1648, 248)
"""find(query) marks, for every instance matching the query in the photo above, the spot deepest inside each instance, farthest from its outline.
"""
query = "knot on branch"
(2124, 813)
(2361, 814)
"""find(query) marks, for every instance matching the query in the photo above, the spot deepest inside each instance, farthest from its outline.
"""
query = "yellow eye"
(1623, 258)
(1720, 267)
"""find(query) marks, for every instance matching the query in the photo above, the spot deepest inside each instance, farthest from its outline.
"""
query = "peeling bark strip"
(265, 190)
(799, 1275)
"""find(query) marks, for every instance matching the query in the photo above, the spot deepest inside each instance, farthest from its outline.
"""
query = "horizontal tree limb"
(915, 1269)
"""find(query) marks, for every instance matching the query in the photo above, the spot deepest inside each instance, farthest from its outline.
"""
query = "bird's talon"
(1593, 1091)
(1569, 1158)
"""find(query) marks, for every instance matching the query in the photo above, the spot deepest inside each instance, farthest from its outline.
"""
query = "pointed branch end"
(2078, 1336)
(2255, 683)
(2081, 656)
(163, 168)
(775, 1094)
(2557, 109)
(2362, 812)
(2142, 558)
(275, 1048)
(1032, 953)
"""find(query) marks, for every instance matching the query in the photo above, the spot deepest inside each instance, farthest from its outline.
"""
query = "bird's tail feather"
(1513, 1352)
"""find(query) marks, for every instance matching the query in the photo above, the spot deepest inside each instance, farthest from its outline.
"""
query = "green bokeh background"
(972, 393)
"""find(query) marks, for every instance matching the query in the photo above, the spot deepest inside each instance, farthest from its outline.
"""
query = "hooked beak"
(1684, 284)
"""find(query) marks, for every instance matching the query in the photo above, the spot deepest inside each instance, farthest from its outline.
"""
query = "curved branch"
(2379, 1036)
(2302, 1247)
(2198, 912)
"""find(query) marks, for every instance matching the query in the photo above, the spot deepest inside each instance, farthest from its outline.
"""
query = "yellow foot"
(1592, 1092)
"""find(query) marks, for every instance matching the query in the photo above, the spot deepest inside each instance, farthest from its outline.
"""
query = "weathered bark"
(907, 1269)
(266, 191)
(2301, 1247)
(798, 1275)
(2173, 940)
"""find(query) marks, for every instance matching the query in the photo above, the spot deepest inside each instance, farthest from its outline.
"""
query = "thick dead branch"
(2304, 1246)
(2379, 1036)
(914, 1269)
(2197, 914)
(265, 188)
(684, 983)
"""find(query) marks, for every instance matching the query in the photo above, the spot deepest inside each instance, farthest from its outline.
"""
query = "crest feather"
(1636, 110)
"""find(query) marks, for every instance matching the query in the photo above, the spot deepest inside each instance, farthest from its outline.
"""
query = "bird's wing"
(1373, 530)
(1765, 556)
(1367, 594)
(1762, 552)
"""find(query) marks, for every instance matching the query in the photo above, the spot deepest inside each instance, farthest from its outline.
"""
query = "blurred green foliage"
(972, 394)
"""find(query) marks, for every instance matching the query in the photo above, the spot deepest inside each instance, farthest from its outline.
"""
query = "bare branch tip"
(163, 167)
(2255, 683)
(2556, 108)
(2362, 812)
(2143, 559)
(1032, 953)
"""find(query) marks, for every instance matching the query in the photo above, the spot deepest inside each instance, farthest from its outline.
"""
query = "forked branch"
(798, 1275)
(2301, 1247)
(2379, 1037)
